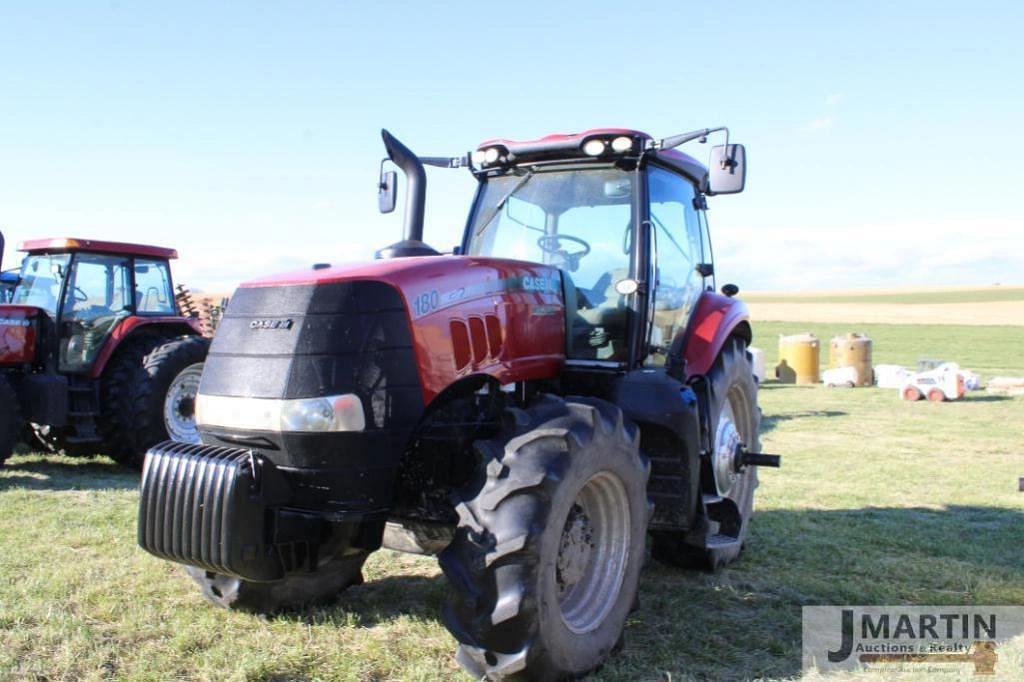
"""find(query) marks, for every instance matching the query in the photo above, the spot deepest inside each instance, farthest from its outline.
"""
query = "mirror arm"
(701, 135)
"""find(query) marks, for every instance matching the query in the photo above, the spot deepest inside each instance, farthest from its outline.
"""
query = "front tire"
(546, 560)
(12, 424)
(322, 586)
(145, 383)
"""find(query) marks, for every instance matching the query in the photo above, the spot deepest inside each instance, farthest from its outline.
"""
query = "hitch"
(757, 459)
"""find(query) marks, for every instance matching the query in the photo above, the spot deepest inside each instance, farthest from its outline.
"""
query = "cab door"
(677, 252)
(97, 296)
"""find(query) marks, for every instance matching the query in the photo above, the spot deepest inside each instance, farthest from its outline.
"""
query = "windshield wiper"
(496, 209)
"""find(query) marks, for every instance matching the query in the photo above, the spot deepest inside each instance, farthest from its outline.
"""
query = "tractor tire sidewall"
(138, 391)
(504, 607)
(732, 377)
(161, 367)
(577, 653)
(319, 587)
(12, 423)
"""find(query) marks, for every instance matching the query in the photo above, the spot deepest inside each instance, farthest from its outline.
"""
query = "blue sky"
(884, 139)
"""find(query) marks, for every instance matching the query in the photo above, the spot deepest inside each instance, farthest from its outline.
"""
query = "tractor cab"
(621, 217)
(86, 289)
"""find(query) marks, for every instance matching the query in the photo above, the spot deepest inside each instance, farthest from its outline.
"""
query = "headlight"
(594, 147)
(306, 415)
(622, 144)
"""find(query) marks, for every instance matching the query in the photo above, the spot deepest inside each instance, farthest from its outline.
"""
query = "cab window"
(676, 224)
(153, 295)
(97, 298)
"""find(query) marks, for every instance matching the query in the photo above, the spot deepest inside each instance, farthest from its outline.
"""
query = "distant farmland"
(996, 306)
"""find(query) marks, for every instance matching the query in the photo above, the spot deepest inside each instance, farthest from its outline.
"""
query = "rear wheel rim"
(593, 553)
(180, 405)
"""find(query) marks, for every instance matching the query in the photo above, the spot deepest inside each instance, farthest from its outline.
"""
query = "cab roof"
(69, 244)
(569, 145)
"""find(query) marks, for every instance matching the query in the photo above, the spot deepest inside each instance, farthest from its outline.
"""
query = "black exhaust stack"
(415, 200)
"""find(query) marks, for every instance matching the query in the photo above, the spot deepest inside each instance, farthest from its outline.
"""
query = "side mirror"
(727, 171)
(386, 191)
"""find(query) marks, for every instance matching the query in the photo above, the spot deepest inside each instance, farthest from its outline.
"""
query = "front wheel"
(149, 394)
(546, 559)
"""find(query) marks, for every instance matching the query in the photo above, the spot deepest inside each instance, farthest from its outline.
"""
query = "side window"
(677, 226)
(99, 287)
(153, 293)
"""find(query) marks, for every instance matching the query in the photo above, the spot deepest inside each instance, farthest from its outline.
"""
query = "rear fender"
(169, 326)
(715, 318)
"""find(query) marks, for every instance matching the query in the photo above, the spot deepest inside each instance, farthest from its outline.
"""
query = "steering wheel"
(550, 243)
(80, 296)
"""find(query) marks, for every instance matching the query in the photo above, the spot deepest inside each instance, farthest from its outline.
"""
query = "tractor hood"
(19, 330)
(467, 314)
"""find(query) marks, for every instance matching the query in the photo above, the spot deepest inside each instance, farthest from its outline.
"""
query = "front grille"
(207, 506)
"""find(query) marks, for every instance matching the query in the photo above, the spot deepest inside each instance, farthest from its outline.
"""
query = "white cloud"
(821, 123)
(870, 255)
(212, 269)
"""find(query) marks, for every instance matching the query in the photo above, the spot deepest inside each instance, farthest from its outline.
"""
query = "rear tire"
(320, 587)
(135, 394)
(12, 424)
(546, 559)
(733, 398)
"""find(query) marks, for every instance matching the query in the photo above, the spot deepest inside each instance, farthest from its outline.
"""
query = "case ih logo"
(270, 324)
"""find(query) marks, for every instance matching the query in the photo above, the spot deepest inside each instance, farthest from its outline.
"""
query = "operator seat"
(597, 318)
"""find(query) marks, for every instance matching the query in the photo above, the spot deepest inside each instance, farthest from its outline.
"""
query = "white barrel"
(758, 356)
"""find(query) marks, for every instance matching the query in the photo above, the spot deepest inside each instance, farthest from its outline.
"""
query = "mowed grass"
(987, 295)
(878, 502)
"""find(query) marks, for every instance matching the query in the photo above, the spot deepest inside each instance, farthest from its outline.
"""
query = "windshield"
(579, 221)
(575, 220)
(41, 279)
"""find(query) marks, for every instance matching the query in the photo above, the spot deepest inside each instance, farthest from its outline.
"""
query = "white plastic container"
(758, 355)
(841, 376)
(891, 376)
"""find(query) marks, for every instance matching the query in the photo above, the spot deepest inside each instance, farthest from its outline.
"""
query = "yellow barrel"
(852, 350)
(799, 361)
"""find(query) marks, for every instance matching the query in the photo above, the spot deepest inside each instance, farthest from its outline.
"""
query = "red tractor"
(530, 407)
(95, 357)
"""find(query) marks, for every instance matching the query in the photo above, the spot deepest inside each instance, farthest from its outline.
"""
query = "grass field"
(878, 501)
